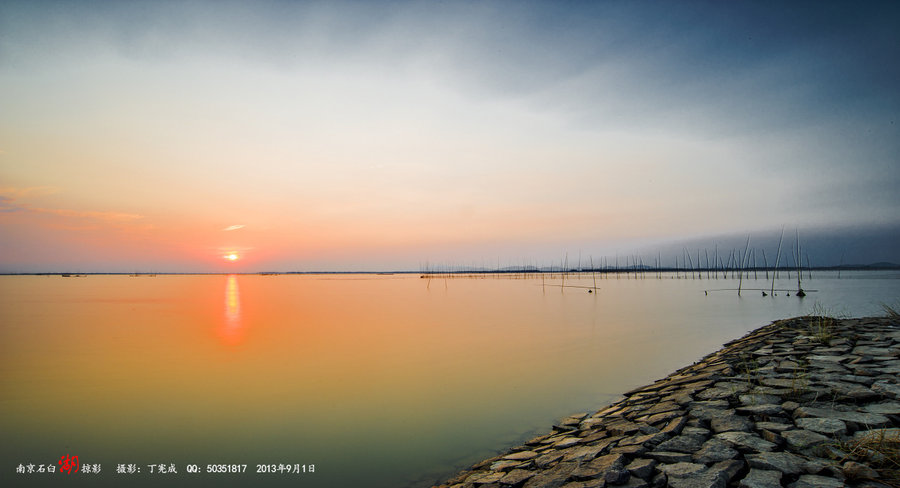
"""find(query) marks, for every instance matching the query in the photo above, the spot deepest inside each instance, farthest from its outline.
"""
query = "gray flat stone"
(803, 439)
(566, 442)
(857, 471)
(521, 456)
(549, 458)
(878, 435)
(669, 457)
(746, 441)
(774, 426)
(708, 410)
(681, 470)
(642, 468)
(833, 358)
(825, 426)
(516, 476)
(871, 419)
(701, 480)
(761, 478)
(764, 409)
(729, 469)
(814, 481)
(713, 451)
(784, 462)
(851, 390)
(551, 478)
(729, 423)
(504, 465)
(886, 388)
(610, 467)
(683, 443)
(759, 399)
(886, 408)
(484, 478)
(872, 351)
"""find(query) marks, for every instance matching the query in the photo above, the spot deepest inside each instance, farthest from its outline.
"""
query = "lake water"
(377, 381)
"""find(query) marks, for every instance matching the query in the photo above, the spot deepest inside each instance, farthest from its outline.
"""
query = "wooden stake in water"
(777, 258)
(800, 292)
(743, 261)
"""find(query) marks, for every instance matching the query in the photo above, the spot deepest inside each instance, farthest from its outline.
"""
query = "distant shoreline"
(521, 270)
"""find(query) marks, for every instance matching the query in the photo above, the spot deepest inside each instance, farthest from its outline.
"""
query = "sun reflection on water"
(232, 332)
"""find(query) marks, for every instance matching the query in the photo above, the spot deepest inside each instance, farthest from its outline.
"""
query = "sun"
(231, 256)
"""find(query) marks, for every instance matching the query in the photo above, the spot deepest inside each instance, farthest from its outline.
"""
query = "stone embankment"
(804, 402)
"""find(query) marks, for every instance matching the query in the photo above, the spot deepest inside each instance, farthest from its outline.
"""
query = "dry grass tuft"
(880, 449)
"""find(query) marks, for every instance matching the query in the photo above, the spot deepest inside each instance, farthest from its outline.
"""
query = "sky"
(305, 136)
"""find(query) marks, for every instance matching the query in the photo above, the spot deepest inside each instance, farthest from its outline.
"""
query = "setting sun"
(231, 257)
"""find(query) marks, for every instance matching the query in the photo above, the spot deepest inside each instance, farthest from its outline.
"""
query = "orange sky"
(344, 138)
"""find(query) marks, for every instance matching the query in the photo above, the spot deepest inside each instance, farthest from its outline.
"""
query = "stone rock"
(622, 427)
(669, 457)
(521, 456)
(610, 467)
(631, 451)
(746, 441)
(583, 453)
(713, 451)
(803, 439)
(830, 427)
(682, 443)
(886, 408)
(872, 351)
(642, 439)
(504, 465)
(815, 481)
(877, 435)
(764, 409)
(728, 468)
(662, 407)
(485, 478)
(759, 399)
(886, 388)
(551, 478)
(858, 471)
(548, 459)
(851, 390)
(675, 426)
(729, 423)
(708, 412)
(778, 382)
(827, 358)
(874, 420)
(761, 478)
(716, 393)
(681, 470)
(790, 406)
(566, 442)
(662, 417)
(636, 483)
(516, 476)
(774, 426)
(784, 462)
(642, 468)
(700, 480)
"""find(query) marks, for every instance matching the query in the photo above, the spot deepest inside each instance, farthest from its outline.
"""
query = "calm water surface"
(378, 381)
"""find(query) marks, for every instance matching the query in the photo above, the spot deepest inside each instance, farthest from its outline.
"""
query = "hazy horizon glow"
(352, 136)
